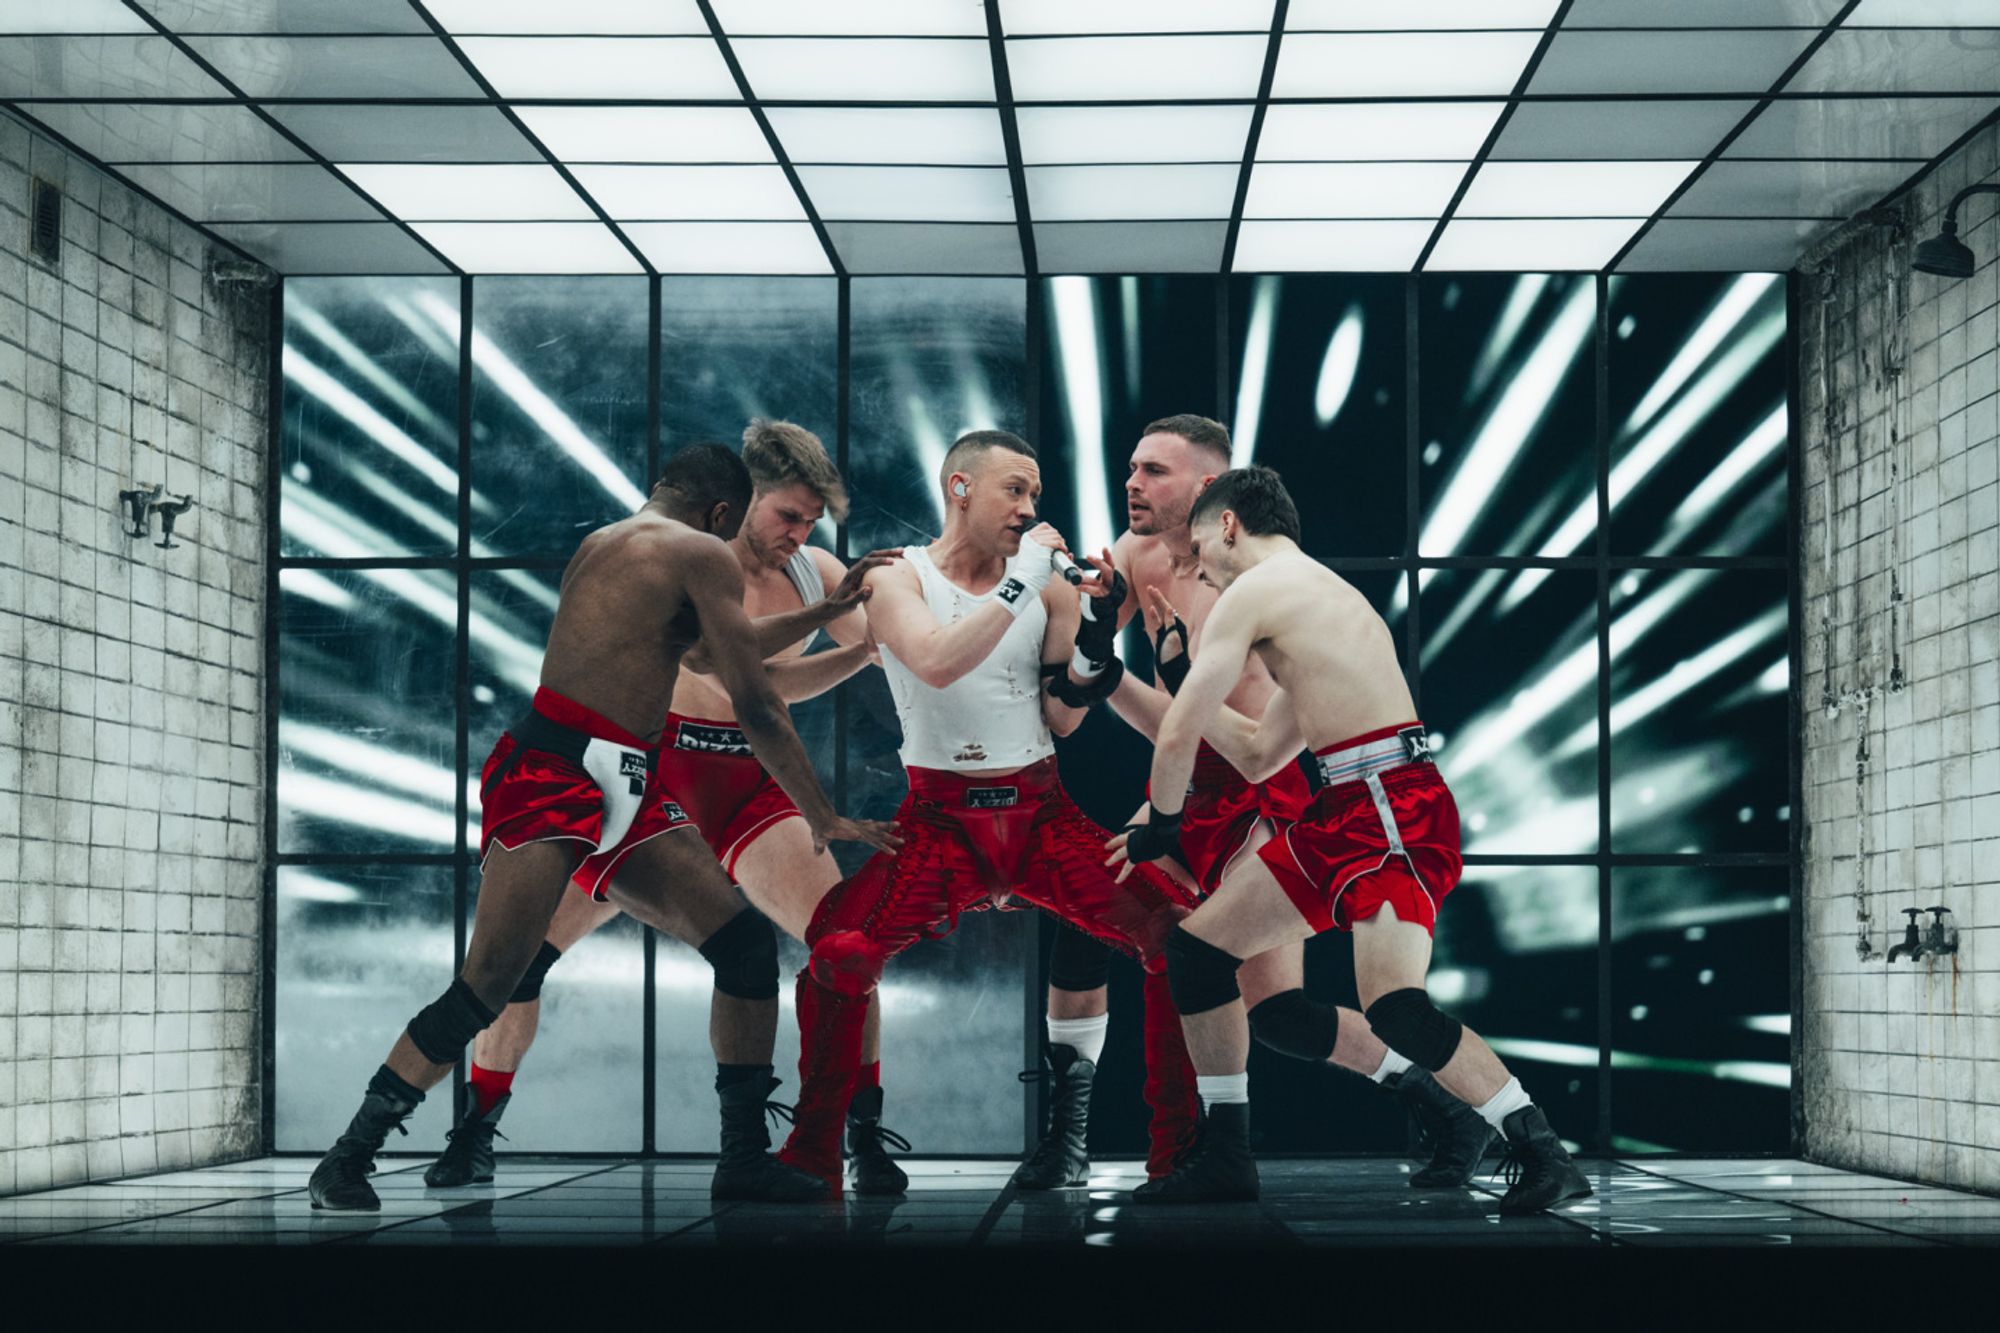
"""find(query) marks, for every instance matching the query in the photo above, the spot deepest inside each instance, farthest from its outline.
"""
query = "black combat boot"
(1537, 1167)
(875, 1172)
(1061, 1160)
(1218, 1169)
(340, 1181)
(468, 1157)
(746, 1169)
(1457, 1135)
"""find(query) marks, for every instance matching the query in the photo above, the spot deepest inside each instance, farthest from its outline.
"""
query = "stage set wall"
(132, 688)
(1901, 625)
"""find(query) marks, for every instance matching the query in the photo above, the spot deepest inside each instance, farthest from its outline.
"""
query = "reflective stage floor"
(1743, 1204)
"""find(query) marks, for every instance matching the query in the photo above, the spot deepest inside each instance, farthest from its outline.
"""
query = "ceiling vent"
(45, 223)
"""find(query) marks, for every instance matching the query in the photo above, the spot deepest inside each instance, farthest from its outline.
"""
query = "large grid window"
(1568, 496)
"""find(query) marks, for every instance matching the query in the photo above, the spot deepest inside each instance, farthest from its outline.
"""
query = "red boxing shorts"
(1223, 806)
(732, 799)
(1384, 829)
(566, 774)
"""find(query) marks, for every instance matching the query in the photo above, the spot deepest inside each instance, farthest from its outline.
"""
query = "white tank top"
(991, 717)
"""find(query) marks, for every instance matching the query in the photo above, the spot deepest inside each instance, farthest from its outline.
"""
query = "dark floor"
(1647, 1203)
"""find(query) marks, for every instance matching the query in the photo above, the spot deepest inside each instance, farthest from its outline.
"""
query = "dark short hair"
(1201, 432)
(706, 475)
(1257, 498)
(976, 442)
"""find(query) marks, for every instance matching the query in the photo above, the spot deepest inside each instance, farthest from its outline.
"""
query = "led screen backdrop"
(1567, 495)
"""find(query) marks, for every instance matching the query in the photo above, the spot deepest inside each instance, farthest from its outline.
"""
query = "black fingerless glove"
(1172, 672)
(1158, 836)
(1097, 632)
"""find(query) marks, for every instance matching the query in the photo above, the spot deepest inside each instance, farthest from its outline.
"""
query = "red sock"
(488, 1085)
(868, 1076)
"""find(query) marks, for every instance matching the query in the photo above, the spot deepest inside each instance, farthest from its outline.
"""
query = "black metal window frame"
(1410, 563)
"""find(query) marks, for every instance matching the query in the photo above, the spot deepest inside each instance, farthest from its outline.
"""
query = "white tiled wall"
(1902, 693)
(130, 690)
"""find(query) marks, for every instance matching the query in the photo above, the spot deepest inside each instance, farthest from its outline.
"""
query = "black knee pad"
(1414, 1028)
(1201, 976)
(443, 1028)
(1077, 962)
(1291, 1024)
(744, 954)
(530, 988)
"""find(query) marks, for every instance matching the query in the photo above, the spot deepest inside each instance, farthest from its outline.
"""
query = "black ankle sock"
(388, 1083)
(728, 1076)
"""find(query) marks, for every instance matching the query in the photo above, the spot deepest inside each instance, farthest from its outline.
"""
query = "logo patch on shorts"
(711, 740)
(632, 766)
(1416, 743)
(674, 813)
(1010, 590)
(991, 798)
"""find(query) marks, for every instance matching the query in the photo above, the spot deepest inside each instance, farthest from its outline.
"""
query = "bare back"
(1147, 562)
(1323, 644)
(625, 619)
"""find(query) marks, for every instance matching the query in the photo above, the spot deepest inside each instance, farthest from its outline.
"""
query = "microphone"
(1068, 568)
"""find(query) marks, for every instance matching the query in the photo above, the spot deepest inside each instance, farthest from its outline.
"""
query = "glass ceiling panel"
(1704, 13)
(401, 67)
(918, 247)
(938, 136)
(730, 247)
(630, 18)
(648, 133)
(930, 194)
(1747, 61)
(1790, 189)
(285, 16)
(1323, 247)
(1425, 64)
(1339, 15)
(1908, 127)
(799, 18)
(69, 16)
(1111, 69)
(114, 66)
(112, 132)
(687, 193)
(1529, 246)
(1360, 131)
(1134, 133)
(1943, 60)
(1351, 190)
(407, 133)
(1571, 189)
(1168, 191)
(616, 67)
(467, 193)
(332, 247)
(866, 69)
(530, 247)
(1023, 17)
(252, 192)
(1617, 130)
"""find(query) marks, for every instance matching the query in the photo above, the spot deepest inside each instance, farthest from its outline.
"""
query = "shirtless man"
(1226, 817)
(573, 790)
(751, 825)
(979, 647)
(1375, 853)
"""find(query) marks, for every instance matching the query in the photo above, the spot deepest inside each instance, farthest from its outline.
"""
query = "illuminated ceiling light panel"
(1151, 191)
(887, 18)
(1571, 189)
(1329, 247)
(483, 192)
(909, 194)
(933, 136)
(1118, 69)
(648, 133)
(596, 67)
(1398, 64)
(1053, 134)
(730, 247)
(625, 18)
(1923, 14)
(1523, 246)
(1021, 18)
(39, 16)
(671, 193)
(529, 247)
(866, 69)
(1351, 190)
(1343, 15)
(1382, 132)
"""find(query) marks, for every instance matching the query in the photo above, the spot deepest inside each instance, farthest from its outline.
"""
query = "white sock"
(1085, 1036)
(1504, 1103)
(1222, 1088)
(1392, 1065)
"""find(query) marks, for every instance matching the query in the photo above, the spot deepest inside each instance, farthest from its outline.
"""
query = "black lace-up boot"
(1537, 1168)
(1456, 1135)
(340, 1182)
(746, 1169)
(868, 1144)
(1061, 1160)
(468, 1156)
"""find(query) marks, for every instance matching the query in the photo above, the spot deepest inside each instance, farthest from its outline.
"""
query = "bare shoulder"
(699, 558)
(831, 570)
(897, 575)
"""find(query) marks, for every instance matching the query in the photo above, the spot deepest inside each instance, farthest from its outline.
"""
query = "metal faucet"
(1912, 946)
(1940, 938)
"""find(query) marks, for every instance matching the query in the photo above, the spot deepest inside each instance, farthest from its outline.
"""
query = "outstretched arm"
(832, 613)
(800, 678)
(1225, 649)
(713, 583)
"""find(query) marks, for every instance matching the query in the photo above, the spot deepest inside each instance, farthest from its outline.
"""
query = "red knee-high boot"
(829, 1055)
(1170, 1087)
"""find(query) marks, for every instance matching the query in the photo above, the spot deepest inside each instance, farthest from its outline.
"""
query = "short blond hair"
(779, 453)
